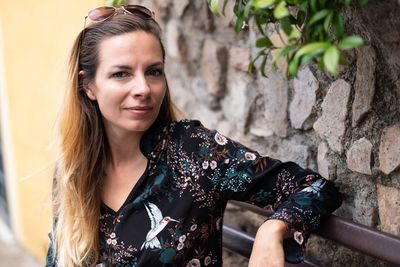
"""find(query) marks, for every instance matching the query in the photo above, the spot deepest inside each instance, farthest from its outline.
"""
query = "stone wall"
(347, 128)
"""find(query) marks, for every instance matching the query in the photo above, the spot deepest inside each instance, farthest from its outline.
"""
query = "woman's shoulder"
(192, 129)
(184, 125)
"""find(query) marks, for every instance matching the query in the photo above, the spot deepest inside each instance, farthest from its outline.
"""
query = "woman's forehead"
(137, 45)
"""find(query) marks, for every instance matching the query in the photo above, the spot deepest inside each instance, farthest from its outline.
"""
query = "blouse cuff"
(294, 246)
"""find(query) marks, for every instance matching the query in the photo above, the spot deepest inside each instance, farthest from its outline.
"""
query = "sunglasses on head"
(103, 13)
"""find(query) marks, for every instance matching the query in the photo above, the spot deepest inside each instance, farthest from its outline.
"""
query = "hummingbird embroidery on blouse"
(158, 223)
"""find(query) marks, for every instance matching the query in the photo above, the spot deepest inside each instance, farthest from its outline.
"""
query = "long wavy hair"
(83, 146)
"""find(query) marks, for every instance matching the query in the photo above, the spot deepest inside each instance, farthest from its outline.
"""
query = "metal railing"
(368, 241)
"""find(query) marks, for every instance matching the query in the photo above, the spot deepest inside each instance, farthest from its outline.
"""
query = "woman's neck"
(124, 148)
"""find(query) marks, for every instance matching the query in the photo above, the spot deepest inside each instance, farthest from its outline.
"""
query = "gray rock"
(359, 156)
(274, 91)
(365, 205)
(213, 67)
(389, 149)
(239, 99)
(179, 7)
(207, 117)
(224, 127)
(160, 8)
(201, 93)
(175, 42)
(325, 167)
(305, 86)
(331, 125)
(365, 83)
(239, 58)
(389, 209)
(229, 17)
(204, 18)
(292, 151)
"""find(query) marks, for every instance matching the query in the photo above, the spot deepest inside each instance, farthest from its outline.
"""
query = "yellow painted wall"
(35, 39)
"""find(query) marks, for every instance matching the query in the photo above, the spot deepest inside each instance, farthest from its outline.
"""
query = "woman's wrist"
(275, 227)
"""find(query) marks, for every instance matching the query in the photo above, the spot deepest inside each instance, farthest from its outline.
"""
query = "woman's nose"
(140, 87)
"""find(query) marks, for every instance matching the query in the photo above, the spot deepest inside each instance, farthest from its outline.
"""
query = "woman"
(136, 187)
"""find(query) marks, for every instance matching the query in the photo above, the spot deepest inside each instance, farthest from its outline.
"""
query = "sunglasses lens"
(100, 13)
(140, 10)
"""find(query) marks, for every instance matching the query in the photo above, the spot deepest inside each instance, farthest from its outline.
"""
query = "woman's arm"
(268, 245)
(300, 198)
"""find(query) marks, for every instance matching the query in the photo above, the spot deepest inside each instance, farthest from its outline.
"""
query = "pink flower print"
(182, 238)
(109, 241)
(207, 260)
(220, 139)
(180, 246)
(249, 156)
(193, 227)
(226, 161)
(193, 263)
(213, 165)
(298, 237)
(112, 235)
(205, 165)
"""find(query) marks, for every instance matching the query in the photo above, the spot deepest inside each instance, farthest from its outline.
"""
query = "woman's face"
(129, 83)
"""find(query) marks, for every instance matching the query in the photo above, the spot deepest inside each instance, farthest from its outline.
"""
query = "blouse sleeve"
(299, 197)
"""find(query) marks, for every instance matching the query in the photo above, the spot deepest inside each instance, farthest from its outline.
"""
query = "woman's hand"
(268, 245)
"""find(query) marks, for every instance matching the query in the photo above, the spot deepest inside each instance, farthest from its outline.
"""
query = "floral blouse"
(174, 214)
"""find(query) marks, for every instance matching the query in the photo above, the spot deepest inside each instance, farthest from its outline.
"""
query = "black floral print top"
(173, 215)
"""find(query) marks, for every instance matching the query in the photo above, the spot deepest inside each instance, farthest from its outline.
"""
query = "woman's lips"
(140, 110)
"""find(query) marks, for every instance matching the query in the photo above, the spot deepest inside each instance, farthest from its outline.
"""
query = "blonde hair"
(83, 147)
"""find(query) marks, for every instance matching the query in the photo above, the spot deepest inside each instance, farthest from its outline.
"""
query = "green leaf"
(258, 4)
(318, 16)
(282, 52)
(239, 23)
(311, 47)
(286, 26)
(263, 65)
(114, 3)
(281, 11)
(313, 5)
(251, 68)
(304, 7)
(338, 25)
(261, 18)
(214, 6)
(264, 42)
(293, 67)
(224, 7)
(351, 42)
(301, 16)
(247, 8)
(310, 56)
(328, 21)
(331, 59)
(295, 34)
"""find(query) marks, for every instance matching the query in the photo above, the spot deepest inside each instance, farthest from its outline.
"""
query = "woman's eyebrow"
(121, 67)
(127, 67)
(158, 63)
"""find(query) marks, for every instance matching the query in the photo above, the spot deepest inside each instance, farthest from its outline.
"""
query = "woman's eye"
(155, 72)
(120, 74)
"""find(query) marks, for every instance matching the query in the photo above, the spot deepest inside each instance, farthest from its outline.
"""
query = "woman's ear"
(87, 86)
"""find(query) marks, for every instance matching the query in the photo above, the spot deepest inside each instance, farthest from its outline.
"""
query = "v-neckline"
(133, 190)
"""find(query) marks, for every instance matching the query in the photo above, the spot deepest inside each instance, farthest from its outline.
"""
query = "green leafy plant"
(309, 30)
(115, 3)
